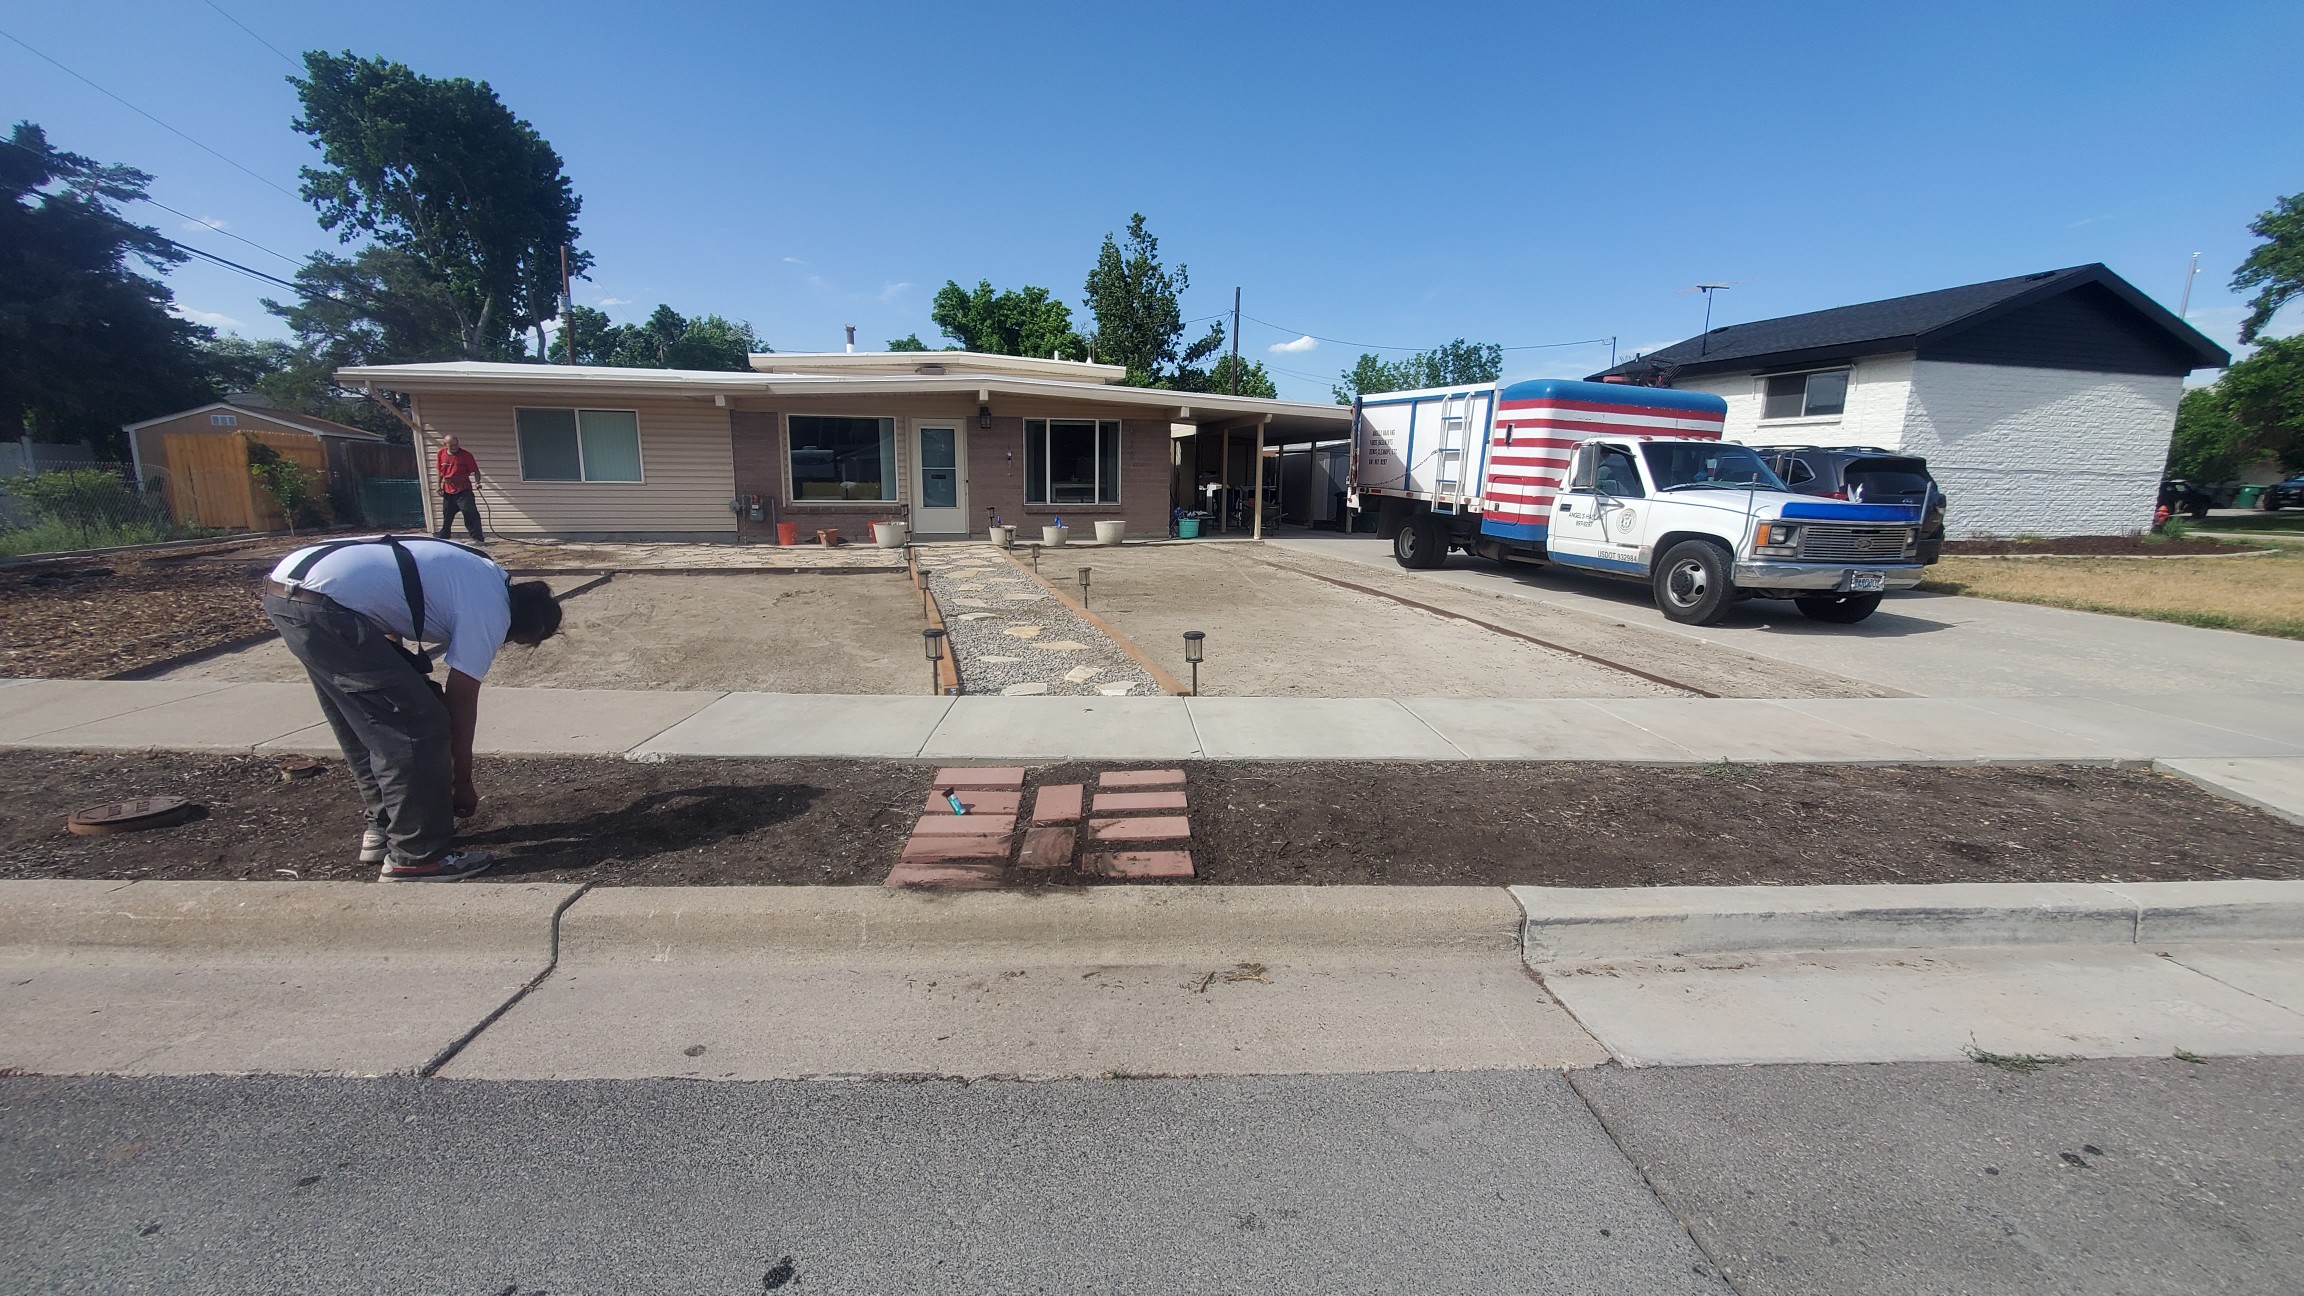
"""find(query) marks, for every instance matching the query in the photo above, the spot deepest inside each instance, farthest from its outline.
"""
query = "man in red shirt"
(457, 468)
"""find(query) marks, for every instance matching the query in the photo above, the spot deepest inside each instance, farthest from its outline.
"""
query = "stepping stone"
(987, 776)
(1137, 778)
(952, 876)
(956, 850)
(1046, 848)
(1138, 802)
(1032, 689)
(1023, 598)
(1062, 645)
(973, 825)
(977, 616)
(1082, 674)
(1115, 690)
(978, 801)
(1001, 660)
(1056, 803)
(1142, 864)
(969, 603)
(1025, 632)
(1163, 828)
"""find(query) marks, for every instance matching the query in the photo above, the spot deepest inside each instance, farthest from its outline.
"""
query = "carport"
(1230, 452)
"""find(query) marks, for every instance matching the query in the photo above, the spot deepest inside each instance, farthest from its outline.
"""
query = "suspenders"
(411, 584)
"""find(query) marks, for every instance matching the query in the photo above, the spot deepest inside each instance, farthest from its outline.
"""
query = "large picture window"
(578, 445)
(1071, 461)
(843, 458)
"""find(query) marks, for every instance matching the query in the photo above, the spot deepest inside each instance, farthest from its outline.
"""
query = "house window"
(843, 458)
(224, 420)
(578, 445)
(1809, 395)
(1071, 461)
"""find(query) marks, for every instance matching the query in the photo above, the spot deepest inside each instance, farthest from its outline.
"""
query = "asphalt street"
(2098, 1177)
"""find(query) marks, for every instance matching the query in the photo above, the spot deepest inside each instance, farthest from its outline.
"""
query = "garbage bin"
(2249, 497)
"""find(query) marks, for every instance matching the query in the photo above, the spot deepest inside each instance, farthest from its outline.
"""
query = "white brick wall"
(2050, 452)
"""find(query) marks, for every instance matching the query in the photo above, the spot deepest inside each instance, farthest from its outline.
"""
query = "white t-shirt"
(467, 603)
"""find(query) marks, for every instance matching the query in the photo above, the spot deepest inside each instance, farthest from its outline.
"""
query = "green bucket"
(1187, 528)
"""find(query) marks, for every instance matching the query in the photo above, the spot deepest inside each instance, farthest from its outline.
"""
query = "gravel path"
(1011, 637)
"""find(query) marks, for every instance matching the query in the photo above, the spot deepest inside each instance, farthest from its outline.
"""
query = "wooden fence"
(210, 484)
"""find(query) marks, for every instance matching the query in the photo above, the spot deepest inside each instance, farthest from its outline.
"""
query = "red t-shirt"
(456, 469)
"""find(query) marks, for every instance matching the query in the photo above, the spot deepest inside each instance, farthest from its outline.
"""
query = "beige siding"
(684, 456)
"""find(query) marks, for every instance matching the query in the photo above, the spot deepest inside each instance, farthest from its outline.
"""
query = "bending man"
(345, 609)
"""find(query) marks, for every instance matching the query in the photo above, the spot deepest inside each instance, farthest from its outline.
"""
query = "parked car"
(2280, 495)
(2189, 498)
(1867, 475)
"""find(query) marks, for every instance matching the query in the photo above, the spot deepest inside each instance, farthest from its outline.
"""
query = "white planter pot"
(1053, 537)
(1109, 533)
(1004, 536)
(890, 535)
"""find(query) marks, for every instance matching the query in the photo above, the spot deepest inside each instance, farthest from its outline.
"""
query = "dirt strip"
(845, 822)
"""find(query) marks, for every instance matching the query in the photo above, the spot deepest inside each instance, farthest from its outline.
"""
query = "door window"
(1618, 475)
(939, 467)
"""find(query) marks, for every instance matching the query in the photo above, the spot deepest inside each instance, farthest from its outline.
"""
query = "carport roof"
(1292, 419)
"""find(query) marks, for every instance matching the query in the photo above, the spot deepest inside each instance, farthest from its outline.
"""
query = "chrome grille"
(1853, 544)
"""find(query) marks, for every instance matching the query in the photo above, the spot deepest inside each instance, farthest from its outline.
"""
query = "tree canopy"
(1025, 321)
(443, 173)
(665, 340)
(1458, 362)
(2275, 269)
(1253, 380)
(1139, 322)
(87, 341)
(2255, 409)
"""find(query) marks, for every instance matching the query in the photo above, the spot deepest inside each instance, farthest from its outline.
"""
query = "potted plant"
(1003, 536)
(1110, 530)
(1053, 536)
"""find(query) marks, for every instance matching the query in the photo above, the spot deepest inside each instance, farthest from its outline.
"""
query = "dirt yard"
(841, 633)
(844, 822)
(1276, 630)
(2260, 594)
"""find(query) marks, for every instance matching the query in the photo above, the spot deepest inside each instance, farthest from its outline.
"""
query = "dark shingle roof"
(1900, 324)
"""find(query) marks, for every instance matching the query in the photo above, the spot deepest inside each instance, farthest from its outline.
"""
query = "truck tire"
(1695, 583)
(1839, 609)
(1419, 545)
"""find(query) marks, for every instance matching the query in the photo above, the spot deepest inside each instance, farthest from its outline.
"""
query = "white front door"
(939, 478)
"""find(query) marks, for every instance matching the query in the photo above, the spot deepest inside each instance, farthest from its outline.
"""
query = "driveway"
(1928, 645)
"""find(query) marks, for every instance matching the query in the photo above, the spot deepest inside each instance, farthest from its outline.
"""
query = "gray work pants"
(391, 723)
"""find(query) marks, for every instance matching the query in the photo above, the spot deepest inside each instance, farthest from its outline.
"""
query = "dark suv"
(2280, 495)
(1866, 474)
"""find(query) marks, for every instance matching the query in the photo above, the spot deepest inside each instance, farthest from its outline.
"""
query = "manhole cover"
(130, 816)
(300, 768)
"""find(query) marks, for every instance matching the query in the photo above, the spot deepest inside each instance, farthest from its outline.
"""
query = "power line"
(1533, 346)
(208, 225)
(253, 36)
(149, 117)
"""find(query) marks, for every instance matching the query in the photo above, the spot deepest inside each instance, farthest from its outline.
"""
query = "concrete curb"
(1565, 924)
(241, 922)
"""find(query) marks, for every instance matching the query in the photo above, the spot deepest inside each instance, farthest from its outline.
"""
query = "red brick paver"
(1137, 802)
(927, 850)
(1000, 776)
(1057, 803)
(1046, 848)
(947, 876)
(977, 801)
(1140, 778)
(1158, 828)
(1142, 864)
(952, 825)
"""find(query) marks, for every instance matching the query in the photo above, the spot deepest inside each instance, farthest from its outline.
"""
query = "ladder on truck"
(1449, 458)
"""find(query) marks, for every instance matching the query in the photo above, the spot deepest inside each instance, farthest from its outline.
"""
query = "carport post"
(1256, 505)
(1224, 479)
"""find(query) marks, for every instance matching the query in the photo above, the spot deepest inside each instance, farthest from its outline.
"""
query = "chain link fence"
(61, 505)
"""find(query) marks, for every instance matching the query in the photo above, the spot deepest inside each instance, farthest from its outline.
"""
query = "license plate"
(1867, 582)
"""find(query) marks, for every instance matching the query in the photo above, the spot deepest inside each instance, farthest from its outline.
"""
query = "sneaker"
(372, 846)
(451, 867)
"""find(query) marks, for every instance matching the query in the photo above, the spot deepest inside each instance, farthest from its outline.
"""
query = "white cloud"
(794, 261)
(1297, 347)
(210, 318)
(890, 292)
(615, 301)
(207, 223)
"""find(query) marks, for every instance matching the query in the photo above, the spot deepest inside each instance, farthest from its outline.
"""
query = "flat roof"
(932, 363)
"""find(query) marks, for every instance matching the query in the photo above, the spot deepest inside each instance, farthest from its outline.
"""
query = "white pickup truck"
(1630, 482)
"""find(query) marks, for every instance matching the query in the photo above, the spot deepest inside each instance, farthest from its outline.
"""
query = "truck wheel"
(1418, 545)
(1839, 609)
(1695, 584)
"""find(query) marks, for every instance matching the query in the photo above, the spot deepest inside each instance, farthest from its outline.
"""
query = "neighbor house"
(946, 440)
(2043, 404)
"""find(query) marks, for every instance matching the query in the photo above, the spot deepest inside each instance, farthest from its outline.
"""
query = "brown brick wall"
(757, 444)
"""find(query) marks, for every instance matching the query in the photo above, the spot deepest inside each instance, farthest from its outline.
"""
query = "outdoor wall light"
(932, 640)
(1083, 587)
(984, 416)
(1194, 641)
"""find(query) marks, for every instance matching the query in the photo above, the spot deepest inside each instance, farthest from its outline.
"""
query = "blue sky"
(1390, 174)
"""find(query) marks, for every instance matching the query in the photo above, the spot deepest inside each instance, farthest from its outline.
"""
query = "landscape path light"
(1083, 587)
(925, 593)
(1194, 640)
(933, 640)
(1035, 559)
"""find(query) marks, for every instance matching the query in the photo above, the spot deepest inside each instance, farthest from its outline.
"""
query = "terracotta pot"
(787, 534)
(829, 537)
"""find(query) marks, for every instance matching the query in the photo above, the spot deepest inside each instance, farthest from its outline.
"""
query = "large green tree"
(1253, 380)
(87, 340)
(1455, 363)
(1025, 321)
(2275, 269)
(665, 340)
(1139, 318)
(442, 172)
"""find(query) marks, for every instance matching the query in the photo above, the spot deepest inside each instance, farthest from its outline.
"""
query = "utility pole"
(1704, 339)
(567, 313)
(1235, 341)
(2184, 307)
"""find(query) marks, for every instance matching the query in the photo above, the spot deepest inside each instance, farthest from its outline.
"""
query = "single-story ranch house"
(2043, 404)
(944, 439)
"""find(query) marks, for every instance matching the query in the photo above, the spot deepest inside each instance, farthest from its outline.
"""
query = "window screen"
(548, 450)
(610, 441)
